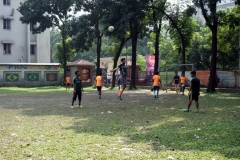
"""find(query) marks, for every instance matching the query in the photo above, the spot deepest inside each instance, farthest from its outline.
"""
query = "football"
(110, 28)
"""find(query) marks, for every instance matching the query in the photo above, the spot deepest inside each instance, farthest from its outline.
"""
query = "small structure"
(85, 68)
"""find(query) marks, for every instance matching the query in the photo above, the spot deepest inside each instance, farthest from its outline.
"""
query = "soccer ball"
(110, 28)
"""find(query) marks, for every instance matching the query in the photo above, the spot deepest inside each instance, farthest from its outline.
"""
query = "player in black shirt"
(194, 92)
(123, 76)
(175, 82)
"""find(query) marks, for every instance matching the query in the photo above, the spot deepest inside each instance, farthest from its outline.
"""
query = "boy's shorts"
(193, 97)
(68, 84)
(182, 85)
(77, 94)
(123, 80)
(99, 88)
(156, 88)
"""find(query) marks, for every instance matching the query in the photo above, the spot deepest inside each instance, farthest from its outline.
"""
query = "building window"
(7, 48)
(32, 26)
(6, 2)
(6, 24)
(33, 49)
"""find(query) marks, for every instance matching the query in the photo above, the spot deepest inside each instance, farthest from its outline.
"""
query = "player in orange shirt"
(156, 86)
(99, 84)
(68, 82)
(183, 80)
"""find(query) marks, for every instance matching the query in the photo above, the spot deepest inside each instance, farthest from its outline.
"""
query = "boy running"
(123, 76)
(156, 82)
(77, 86)
(99, 84)
(194, 92)
(176, 82)
(67, 80)
(183, 80)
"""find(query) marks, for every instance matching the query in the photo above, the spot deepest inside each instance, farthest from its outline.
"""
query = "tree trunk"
(122, 43)
(134, 36)
(157, 55)
(64, 54)
(99, 44)
(183, 56)
(157, 29)
(212, 80)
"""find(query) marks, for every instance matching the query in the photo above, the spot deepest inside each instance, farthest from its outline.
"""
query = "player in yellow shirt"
(183, 80)
(99, 84)
(156, 84)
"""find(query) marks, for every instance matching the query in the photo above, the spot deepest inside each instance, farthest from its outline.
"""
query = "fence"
(228, 79)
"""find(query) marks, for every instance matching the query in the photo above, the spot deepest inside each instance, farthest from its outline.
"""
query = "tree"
(48, 13)
(213, 19)
(134, 14)
(181, 28)
(55, 37)
(141, 60)
(70, 53)
(155, 19)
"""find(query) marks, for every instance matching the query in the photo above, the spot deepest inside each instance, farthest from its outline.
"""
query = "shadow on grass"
(141, 118)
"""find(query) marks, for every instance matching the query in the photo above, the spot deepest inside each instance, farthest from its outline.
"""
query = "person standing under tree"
(99, 84)
(156, 82)
(68, 82)
(183, 80)
(123, 76)
(77, 86)
(175, 82)
(194, 92)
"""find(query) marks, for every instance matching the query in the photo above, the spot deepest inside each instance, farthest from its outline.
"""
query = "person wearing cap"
(123, 76)
(85, 75)
(194, 92)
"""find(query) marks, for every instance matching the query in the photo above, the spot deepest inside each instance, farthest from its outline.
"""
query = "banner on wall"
(12, 77)
(33, 77)
(51, 76)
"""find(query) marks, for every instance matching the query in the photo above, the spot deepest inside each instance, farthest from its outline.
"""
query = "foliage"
(55, 37)
(70, 53)
(46, 14)
(141, 60)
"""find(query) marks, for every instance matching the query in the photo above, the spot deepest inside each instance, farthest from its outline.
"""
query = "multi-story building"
(17, 42)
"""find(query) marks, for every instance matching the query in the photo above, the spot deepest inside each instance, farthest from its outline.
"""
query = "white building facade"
(17, 43)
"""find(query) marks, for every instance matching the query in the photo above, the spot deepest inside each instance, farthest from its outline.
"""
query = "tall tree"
(48, 13)
(155, 19)
(212, 18)
(71, 53)
(120, 35)
(180, 26)
(134, 12)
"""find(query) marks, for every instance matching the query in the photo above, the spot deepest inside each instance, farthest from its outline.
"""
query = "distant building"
(107, 62)
(17, 43)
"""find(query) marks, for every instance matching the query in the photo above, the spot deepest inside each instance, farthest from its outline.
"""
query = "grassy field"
(38, 123)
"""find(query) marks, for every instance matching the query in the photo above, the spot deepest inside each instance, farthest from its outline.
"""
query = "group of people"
(194, 90)
(179, 82)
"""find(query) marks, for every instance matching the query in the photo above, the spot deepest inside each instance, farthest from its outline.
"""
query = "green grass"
(37, 123)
